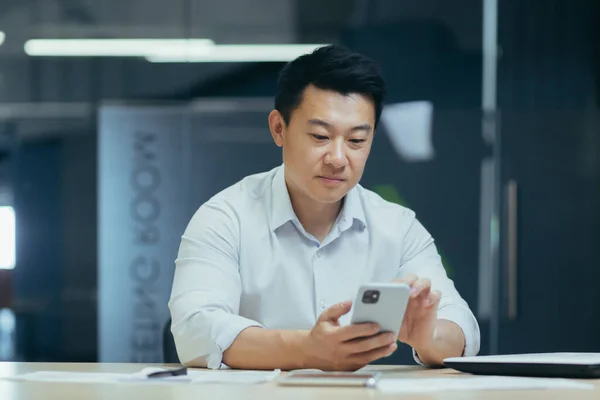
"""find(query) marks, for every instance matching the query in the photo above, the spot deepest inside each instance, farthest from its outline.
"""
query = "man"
(266, 267)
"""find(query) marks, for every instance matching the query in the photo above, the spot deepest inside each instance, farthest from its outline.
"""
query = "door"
(551, 300)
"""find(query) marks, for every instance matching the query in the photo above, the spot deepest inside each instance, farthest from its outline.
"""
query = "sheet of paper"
(409, 128)
(232, 376)
(538, 358)
(73, 377)
(477, 383)
(193, 376)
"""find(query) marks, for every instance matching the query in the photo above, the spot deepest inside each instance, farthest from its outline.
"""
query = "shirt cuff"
(229, 327)
(467, 322)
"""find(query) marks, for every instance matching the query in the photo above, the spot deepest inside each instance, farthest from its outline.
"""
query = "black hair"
(331, 67)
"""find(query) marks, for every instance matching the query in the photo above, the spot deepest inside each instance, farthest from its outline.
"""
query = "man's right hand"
(330, 346)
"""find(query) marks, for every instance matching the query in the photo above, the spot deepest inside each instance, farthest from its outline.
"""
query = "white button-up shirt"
(245, 260)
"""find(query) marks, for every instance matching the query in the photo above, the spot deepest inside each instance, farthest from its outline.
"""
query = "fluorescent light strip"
(2, 37)
(167, 50)
(239, 53)
(113, 47)
(7, 238)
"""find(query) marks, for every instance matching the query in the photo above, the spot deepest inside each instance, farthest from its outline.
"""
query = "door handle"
(511, 247)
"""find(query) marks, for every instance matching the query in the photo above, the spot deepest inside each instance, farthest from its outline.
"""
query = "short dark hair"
(331, 67)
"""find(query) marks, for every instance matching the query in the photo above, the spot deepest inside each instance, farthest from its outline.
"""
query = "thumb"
(334, 312)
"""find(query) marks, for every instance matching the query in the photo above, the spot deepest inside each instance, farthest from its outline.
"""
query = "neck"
(316, 218)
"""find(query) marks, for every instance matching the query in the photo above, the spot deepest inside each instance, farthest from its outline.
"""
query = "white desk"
(13, 390)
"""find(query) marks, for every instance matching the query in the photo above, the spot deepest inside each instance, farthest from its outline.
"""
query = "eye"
(319, 137)
(358, 141)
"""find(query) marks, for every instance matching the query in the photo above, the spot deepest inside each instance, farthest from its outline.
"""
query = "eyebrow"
(325, 124)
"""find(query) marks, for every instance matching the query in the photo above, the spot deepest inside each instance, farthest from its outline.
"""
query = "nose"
(336, 154)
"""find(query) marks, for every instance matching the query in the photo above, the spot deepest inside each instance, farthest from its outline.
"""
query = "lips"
(332, 178)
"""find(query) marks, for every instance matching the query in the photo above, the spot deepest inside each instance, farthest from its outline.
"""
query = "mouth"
(331, 179)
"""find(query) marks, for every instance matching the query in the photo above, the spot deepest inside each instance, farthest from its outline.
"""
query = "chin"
(328, 196)
(329, 200)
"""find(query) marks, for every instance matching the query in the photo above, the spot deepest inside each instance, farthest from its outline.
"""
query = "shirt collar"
(283, 212)
(281, 204)
(352, 210)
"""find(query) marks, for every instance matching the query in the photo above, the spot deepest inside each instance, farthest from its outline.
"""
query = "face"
(326, 143)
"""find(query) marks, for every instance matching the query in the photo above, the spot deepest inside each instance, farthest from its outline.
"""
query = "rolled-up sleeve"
(205, 297)
(421, 258)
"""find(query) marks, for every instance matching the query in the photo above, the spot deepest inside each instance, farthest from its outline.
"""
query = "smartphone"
(381, 303)
(321, 378)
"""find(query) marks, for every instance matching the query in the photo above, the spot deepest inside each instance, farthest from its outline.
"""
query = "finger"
(364, 345)
(375, 354)
(410, 279)
(355, 331)
(433, 298)
(421, 298)
(420, 286)
(334, 312)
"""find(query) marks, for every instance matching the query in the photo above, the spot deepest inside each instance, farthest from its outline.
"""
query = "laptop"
(555, 365)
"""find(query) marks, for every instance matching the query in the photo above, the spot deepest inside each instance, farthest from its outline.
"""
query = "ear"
(277, 127)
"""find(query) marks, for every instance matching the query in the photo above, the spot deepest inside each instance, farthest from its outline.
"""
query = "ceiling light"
(2, 37)
(239, 53)
(7, 237)
(114, 47)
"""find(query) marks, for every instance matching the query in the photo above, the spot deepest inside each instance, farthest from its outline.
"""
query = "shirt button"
(322, 305)
(318, 254)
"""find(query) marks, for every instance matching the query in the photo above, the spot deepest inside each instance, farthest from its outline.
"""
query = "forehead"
(336, 108)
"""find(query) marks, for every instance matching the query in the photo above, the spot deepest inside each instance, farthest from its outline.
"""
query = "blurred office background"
(491, 133)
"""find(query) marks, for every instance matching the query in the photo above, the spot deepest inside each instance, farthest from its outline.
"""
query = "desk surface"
(12, 390)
